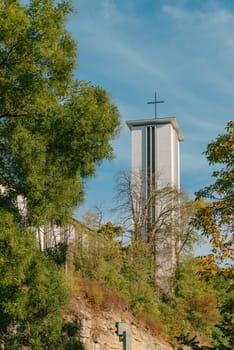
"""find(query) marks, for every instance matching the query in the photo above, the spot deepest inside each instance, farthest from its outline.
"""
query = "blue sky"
(182, 49)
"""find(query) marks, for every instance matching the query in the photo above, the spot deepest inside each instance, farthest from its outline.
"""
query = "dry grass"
(153, 325)
(97, 296)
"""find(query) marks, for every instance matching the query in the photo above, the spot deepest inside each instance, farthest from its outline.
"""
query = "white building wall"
(166, 151)
(137, 145)
(178, 165)
(49, 236)
(163, 155)
(176, 159)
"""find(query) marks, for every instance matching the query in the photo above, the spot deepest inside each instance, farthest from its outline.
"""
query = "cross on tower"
(155, 104)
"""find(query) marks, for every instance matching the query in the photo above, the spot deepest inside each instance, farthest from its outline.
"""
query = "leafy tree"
(220, 278)
(192, 309)
(224, 335)
(202, 305)
(215, 219)
(54, 130)
(205, 302)
(31, 290)
(138, 273)
(110, 231)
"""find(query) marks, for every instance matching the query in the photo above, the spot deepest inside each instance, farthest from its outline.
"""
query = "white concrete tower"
(156, 150)
(156, 162)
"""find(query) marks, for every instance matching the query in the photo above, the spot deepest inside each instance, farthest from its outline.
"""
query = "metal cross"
(155, 104)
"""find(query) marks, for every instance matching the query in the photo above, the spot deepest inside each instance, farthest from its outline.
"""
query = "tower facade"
(156, 166)
(156, 151)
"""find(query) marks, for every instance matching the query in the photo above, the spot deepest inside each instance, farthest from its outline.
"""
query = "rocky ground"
(98, 329)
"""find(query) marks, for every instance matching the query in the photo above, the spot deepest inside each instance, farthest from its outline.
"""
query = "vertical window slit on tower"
(148, 171)
(153, 157)
(148, 177)
(153, 173)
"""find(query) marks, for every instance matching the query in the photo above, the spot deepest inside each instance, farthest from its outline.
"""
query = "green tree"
(138, 273)
(195, 298)
(215, 219)
(192, 309)
(109, 231)
(224, 335)
(54, 130)
(32, 294)
(203, 305)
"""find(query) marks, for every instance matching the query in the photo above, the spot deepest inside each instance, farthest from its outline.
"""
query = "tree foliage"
(196, 299)
(215, 219)
(31, 290)
(197, 306)
(32, 294)
(110, 231)
(54, 130)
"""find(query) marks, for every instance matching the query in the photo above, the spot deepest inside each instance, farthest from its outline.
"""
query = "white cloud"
(176, 13)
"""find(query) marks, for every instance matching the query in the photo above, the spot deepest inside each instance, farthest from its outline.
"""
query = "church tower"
(156, 162)
(156, 150)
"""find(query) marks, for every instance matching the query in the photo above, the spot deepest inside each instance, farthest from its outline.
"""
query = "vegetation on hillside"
(109, 274)
(54, 130)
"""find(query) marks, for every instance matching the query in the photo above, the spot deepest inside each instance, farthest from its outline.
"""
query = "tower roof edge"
(149, 122)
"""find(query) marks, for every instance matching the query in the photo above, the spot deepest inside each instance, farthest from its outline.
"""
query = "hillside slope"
(98, 328)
